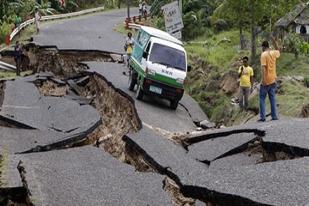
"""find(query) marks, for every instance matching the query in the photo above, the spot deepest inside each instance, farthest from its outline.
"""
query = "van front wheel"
(174, 104)
(132, 81)
(139, 93)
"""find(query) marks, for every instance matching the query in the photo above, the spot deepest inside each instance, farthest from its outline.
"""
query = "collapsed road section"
(68, 109)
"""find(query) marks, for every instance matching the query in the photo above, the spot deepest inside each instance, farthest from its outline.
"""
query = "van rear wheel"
(139, 93)
(174, 104)
(132, 80)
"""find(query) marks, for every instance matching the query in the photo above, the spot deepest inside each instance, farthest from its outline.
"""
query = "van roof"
(168, 43)
(160, 34)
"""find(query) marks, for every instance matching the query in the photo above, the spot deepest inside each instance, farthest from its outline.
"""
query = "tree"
(238, 13)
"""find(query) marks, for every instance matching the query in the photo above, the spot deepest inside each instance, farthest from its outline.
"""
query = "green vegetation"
(10, 9)
(8, 75)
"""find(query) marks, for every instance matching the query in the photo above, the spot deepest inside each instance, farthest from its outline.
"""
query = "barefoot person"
(269, 76)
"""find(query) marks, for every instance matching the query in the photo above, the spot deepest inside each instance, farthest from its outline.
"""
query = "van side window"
(148, 47)
(138, 35)
(143, 38)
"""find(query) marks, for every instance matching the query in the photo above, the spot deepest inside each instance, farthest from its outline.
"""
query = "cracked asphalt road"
(94, 32)
(70, 176)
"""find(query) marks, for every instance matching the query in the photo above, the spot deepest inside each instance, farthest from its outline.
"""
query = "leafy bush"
(295, 44)
(220, 25)
(5, 29)
(193, 25)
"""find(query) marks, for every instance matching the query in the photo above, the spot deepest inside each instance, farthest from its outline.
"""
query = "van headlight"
(151, 71)
(180, 81)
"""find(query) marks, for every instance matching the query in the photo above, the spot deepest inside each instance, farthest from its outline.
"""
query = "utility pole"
(128, 4)
(180, 7)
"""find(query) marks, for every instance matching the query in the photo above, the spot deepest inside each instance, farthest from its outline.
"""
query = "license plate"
(156, 90)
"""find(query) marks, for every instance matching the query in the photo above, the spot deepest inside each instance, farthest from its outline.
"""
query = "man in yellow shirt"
(246, 81)
(269, 76)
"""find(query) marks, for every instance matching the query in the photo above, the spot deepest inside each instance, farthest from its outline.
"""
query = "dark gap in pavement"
(186, 142)
(277, 151)
(214, 198)
(11, 123)
(14, 197)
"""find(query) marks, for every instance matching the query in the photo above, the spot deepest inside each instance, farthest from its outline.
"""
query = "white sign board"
(173, 18)
(177, 35)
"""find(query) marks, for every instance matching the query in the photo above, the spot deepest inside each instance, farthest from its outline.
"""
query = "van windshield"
(168, 56)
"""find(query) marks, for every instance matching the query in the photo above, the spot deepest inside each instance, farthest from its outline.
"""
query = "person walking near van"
(129, 47)
(18, 52)
(269, 76)
(246, 82)
(140, 8)
(37, 18)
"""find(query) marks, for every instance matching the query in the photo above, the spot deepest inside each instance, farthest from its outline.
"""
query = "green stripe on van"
(157, 77)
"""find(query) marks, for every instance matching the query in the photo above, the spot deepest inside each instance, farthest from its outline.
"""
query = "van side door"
(140, 44)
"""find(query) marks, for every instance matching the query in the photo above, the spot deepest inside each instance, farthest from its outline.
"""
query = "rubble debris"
(50, 88)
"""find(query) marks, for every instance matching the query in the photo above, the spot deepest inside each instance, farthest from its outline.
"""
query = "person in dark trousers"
(246, 82)
(18, 57)
(269, 76)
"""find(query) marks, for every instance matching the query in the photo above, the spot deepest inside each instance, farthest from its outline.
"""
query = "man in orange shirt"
(269, 76)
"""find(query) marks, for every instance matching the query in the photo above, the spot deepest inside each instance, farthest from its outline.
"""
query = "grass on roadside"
(10, 75)
(219, 50)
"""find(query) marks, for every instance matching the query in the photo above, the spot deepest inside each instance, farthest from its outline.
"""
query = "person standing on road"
(37, 18)
(18, 50)
(269, 76)
(246, 82)
(129, 47)
(144, 8)
(140, 8)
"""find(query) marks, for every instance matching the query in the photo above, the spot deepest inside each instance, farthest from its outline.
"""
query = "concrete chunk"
(212, 149)
(89, 176)
(165, 156)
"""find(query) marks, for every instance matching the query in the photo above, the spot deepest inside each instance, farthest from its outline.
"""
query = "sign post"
(173, 19)
(128, 8)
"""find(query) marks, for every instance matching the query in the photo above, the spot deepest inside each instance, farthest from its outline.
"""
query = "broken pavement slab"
(195, 111)
(236, 160)
(276, 183)
(15, 140)
(23, 103)
(289, 135)
(89, 176)
(164, 156)
(212, 149)
(9, 175)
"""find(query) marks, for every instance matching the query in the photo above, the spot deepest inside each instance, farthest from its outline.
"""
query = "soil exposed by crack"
(178, 198)
(118, 113)
(49, 88)
(63, 63)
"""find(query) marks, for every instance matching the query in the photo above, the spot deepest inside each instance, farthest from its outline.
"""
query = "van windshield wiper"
(163, 63)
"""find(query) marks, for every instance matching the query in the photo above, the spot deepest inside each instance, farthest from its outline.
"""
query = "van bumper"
(167, 92)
